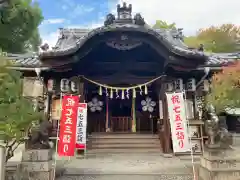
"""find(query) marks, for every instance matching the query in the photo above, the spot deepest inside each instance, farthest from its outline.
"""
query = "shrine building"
(122, 70)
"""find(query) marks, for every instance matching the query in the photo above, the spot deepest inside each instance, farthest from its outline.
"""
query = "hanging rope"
(123, 88)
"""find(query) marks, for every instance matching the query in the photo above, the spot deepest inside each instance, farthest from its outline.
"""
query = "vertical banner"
(178, 121)
(81, 133)
(67, 133)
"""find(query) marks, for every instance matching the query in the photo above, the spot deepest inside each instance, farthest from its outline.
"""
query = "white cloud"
(53, 21)
(87, 26)
(80, 10)
(50, 39)
(188, 14)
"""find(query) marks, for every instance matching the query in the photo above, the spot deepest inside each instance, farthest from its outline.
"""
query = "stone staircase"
(125, 156)
(128, 177)
(123, 143)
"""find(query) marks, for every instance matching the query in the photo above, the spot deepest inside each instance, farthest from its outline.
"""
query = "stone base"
(41, 175)
(219, 164)
(38, 164)
(37, 155)
(205, 174)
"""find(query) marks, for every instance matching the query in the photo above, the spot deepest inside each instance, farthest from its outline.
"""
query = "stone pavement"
(127, 166)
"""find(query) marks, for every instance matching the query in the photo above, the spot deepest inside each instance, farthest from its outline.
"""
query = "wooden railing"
(121, 124)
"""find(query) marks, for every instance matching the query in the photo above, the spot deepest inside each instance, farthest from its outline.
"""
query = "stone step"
(122, 136)
(123, 150)
(128, 177)
(124, 140)
(125, 145)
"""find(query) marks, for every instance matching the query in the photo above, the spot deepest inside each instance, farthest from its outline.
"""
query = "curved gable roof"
(71, 40)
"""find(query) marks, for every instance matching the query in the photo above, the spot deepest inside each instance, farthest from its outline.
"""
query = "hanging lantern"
(74, 87)
(95, 105)
(123, 94)
(111, 93)
(148, 104)
(169, 86)
(205, 86)
(64, 85)
(50, 85)
(134, 93)
(178, 85)
(100, 91)
(191, 85)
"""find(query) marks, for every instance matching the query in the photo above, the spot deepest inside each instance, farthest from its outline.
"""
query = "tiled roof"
(24, 60)
(71, 40)
(222, 59)
(214, 60)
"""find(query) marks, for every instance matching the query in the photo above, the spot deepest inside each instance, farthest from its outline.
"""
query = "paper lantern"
(178, 84)
(191, 85)
(64, 85)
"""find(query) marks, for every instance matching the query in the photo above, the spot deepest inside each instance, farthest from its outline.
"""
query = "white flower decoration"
(95, 105)
(148, 104)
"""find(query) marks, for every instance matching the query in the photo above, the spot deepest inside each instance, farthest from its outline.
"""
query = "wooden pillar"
(81, 91)
(107, 125)
(166, 124)
(134, 115)
(48, 103)
(160, 121)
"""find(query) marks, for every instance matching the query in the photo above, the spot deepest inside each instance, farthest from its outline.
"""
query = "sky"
(190, 15)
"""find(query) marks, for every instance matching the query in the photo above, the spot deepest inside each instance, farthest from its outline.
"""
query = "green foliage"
(220, 39)
(19, 29)
(217, 39)
(16, 112)
(163, 25)
(225, 89)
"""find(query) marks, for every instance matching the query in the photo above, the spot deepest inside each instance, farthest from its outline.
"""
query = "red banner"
(68, 122)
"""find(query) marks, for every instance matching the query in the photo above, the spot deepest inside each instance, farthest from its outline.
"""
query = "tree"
(225, 88)
(19, 26)
(163, 25)
(220, 39)
(16, 112)
(193, 42)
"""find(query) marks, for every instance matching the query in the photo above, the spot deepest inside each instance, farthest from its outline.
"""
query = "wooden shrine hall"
(122, 70)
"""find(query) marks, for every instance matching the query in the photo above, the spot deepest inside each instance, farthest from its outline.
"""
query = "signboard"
(178, 121)
(81, 135)
(68, 122)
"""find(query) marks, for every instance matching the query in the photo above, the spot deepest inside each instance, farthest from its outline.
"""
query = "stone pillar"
(38, 164)
(219, 164)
